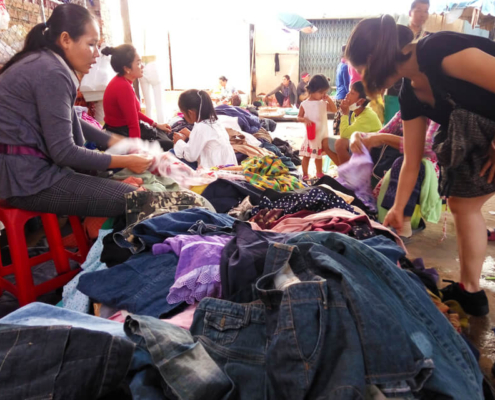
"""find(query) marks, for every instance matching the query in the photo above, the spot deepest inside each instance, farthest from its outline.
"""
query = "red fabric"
(122, 107)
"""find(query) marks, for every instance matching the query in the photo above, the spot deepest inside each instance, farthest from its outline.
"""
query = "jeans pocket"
(221, 328)
(309, 322)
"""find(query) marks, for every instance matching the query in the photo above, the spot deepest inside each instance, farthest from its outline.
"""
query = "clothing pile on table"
(260, 288)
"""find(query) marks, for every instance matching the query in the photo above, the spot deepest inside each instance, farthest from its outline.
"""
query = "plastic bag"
(356, 175)
(4, 16)
(99, 76)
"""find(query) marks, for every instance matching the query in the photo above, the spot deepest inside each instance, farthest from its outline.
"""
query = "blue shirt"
(342, 81)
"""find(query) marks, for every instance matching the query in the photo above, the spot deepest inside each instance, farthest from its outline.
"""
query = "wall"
(437, 23)
(268, 41)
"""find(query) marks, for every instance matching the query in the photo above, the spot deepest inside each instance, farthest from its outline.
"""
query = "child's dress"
(315, 111)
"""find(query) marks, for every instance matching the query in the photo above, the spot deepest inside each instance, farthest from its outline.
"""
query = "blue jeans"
(183, 365)
(140, 285)
(402, 333)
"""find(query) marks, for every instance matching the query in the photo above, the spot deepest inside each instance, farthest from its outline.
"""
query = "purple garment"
(198, 271)
(356, 175)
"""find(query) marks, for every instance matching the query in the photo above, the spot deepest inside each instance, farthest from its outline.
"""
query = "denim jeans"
(60, 362)
(235, 337)
(140, 285)
(401, 331)
(41, 314)
(386, 246)
(185, 367)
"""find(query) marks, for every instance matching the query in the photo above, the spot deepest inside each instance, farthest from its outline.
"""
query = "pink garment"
(182, 320)
(88, 118)
(306, 224)
(354, 75)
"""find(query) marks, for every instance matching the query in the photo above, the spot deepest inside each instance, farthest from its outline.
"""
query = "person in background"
(342, 81)
(286, 93)
(41, 137)
(313, 111)
(418, 15)
(462, 66)
(354, 76)
(363, 119)
(226, 91)
(208, 143)
(301, 88)
(121, 106)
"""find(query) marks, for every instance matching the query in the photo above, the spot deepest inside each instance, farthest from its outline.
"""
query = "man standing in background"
(418, 15)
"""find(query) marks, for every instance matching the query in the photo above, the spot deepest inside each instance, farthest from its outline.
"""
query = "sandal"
(491, 235)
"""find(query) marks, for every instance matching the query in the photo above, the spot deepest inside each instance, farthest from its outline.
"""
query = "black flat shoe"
(475, 304)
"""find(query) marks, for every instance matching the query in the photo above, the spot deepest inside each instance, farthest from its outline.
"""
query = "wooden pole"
(170, 62)
(126, 21)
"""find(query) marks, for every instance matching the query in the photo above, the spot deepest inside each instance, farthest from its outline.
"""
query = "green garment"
(366, 122)
(151, 182)
(430, 203)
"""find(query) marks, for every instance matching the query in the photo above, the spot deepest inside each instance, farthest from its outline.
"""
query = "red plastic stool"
(24, 290)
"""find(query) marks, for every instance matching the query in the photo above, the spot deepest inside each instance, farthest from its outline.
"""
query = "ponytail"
(376, 44)
(200, 102)
(70, 18)
(122, 56)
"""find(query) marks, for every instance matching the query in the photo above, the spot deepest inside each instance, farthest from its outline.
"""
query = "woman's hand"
(178, 136)
(186, 132)
(164, 127)
(395, 219)
(307, 122)
(356, 142)
(138, 163)
(490, 164)
(344, 107)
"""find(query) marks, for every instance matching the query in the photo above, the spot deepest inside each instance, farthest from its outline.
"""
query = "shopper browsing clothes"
(41, 138)
(122, 109)
(313, 112)
(448, 78)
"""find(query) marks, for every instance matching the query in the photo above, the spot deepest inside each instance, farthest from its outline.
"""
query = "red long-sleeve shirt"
(122, 107)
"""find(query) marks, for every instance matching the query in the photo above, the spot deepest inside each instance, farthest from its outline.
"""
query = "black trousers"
(147, 133)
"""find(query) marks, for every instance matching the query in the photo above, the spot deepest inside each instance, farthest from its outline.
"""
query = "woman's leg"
(305, 165)
(319, 167)
(280, 98)
(342, 150)
(471, 238)
(328, 145)
(78, 194)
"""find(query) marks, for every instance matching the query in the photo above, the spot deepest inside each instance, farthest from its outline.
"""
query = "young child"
(314, 111)
(209, 143)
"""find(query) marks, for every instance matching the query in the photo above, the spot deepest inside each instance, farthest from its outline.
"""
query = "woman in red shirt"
(122, 109)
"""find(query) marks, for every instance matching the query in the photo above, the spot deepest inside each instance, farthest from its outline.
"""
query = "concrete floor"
(443, 257)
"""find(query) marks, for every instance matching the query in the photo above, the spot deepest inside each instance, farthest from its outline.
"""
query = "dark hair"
(359, 87)
(223, 78)
(415, 3)
(287, 77)
(236, 100)
(317, 83)
(122, 56)
(376, 44)
(194, 100)
(70, 18)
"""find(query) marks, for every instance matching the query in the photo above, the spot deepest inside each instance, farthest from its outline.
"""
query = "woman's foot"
(319, 176)
(475, 304)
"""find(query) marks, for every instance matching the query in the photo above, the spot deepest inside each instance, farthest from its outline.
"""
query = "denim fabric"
(157, 229)
(185, 367)
(60, 362)
(387, 247)
(225, 195)
(243, 260)
(140, 285)
(41, 314)
(400, 327)
(200, 228)
(235, 337)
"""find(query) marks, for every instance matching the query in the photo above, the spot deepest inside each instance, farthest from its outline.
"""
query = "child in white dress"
(314, 111)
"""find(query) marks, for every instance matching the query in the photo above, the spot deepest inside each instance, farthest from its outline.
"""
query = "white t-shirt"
(209, 145)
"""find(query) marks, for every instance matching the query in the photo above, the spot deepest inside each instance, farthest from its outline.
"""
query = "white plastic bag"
(4, 16)
(99, 76)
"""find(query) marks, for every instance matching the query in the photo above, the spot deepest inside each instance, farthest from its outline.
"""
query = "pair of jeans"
(289, 343)
(403, 334)
(157, 229)
(61, 362)
(185, 369)
(140, 285)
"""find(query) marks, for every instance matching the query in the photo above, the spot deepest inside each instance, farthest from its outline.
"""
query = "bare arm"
(414, 144)
(331, 107)
(300, 117)
(472, 65)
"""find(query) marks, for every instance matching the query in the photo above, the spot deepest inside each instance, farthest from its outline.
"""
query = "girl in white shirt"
(209, 142)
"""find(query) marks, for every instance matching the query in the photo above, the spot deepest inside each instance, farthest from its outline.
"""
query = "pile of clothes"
(243, 292)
